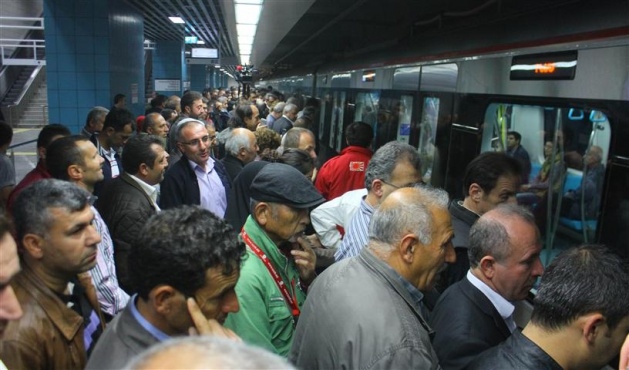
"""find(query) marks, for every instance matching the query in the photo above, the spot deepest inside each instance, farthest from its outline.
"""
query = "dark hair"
(167, 113)
(359, 134)
(177, 246)
(188, 99)
(149, 121)
(119, 97)
(516, 135)
(63, 153)
(582, 280)
(158, 100)
(31, 209)
(297, 158)
(485, 170)
(6, 133)
(49, 131)
(241, 112)
(118, 118)
(139, 150)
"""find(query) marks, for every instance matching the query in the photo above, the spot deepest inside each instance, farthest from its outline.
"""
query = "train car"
(568, 97)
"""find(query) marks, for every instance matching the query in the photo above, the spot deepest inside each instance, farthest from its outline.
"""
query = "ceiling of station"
(302, 33)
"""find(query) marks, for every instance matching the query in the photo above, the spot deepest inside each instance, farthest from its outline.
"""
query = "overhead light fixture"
(177, 20)
(247, 17)
(247, 14)
(200, 42)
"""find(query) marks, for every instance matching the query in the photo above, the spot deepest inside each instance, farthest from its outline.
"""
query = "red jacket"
(38, 173)
(344, 172)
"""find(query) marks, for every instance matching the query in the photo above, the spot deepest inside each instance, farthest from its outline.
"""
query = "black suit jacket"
(233, 166)
(125, 207)
(466, 323)
(281, 125)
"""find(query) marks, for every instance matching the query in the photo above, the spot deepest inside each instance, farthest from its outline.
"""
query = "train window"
(341, 80)
(367, 108)
(441, 77)
(324, 114)
(406, 78)
(336, 128)
(567, 150)
(404, 111)
(428, 129)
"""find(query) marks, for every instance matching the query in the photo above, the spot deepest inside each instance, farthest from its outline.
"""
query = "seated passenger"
(185, 266)
(346, 171)
(490, 180)
(589, 193)
(476, 313)
(367, 312)
(553, 168)
(394, 165)
(280, 262)
(580, 316)
(517, 151)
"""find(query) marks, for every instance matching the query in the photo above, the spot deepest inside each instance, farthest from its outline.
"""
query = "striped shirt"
(357, 233)
(111, 297)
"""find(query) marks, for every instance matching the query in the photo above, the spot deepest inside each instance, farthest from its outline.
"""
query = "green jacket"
(264, 318)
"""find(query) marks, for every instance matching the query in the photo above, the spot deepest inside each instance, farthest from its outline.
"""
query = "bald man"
(241, 148)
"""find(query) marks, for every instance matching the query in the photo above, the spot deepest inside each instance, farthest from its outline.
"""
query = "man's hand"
(203, 326)
(305, 258)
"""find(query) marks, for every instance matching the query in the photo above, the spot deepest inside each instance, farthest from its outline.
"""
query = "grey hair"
(385, 159)
(291, 137)
(31, 211)
(289, 107)
(279, 107)
(489, 236)
(212, 352)
(236, 141)
(389, 224)
(185, 123)
(96, 113)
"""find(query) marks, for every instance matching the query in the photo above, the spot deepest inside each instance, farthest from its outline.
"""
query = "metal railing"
(12, 44)
(14, 111)
(26, 23)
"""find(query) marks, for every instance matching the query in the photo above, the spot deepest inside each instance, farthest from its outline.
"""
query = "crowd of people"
(202, 234)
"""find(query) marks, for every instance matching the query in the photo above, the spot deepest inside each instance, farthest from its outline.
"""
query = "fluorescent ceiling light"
(245, 49)
(247, 14)
(177, 20)
(245, 40)
(244, 58)
(200, 42)
(248, 2)
(246, 29)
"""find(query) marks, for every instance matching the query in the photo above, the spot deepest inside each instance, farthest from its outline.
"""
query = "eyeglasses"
(409, 185)
(196, 142)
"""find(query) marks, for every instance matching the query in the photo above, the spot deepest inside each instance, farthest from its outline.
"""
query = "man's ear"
(475, 192)
(75, 172)
(407, 247)
(144, 169)
(33, 245)
(163, 298)
(262, 213)
(593, 326)
(41, 152)
(110, 131)
(376, 187)
(488, 266)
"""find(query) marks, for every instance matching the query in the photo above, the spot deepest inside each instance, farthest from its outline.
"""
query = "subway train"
(572, 96)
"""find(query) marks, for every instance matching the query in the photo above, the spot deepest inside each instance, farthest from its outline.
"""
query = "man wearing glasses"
(196, 179)
(185, 264)
(395, 165)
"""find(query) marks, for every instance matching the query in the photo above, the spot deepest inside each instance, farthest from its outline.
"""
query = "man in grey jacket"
(366, 311)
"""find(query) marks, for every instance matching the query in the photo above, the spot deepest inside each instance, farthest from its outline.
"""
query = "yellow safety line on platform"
(19, 130)
(24, 153)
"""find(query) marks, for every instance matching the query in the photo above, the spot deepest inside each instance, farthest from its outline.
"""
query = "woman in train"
(552, 168)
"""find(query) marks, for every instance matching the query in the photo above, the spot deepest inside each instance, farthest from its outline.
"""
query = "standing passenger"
(476, 313)
(366, 312)
(517, 151)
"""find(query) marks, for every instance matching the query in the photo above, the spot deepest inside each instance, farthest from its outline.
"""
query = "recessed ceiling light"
(176, 20)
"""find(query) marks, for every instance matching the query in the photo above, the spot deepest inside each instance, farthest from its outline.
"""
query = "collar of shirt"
(149, 189)
(504, 307)
(209, 165)
(155, 332)
(415, 294)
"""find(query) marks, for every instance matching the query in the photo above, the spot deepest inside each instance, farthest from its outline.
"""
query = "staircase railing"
(13, 112)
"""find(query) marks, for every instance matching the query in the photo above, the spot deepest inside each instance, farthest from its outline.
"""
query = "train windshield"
(563, 153)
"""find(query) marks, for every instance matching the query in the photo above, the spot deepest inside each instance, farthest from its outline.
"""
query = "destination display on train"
(547, 66)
